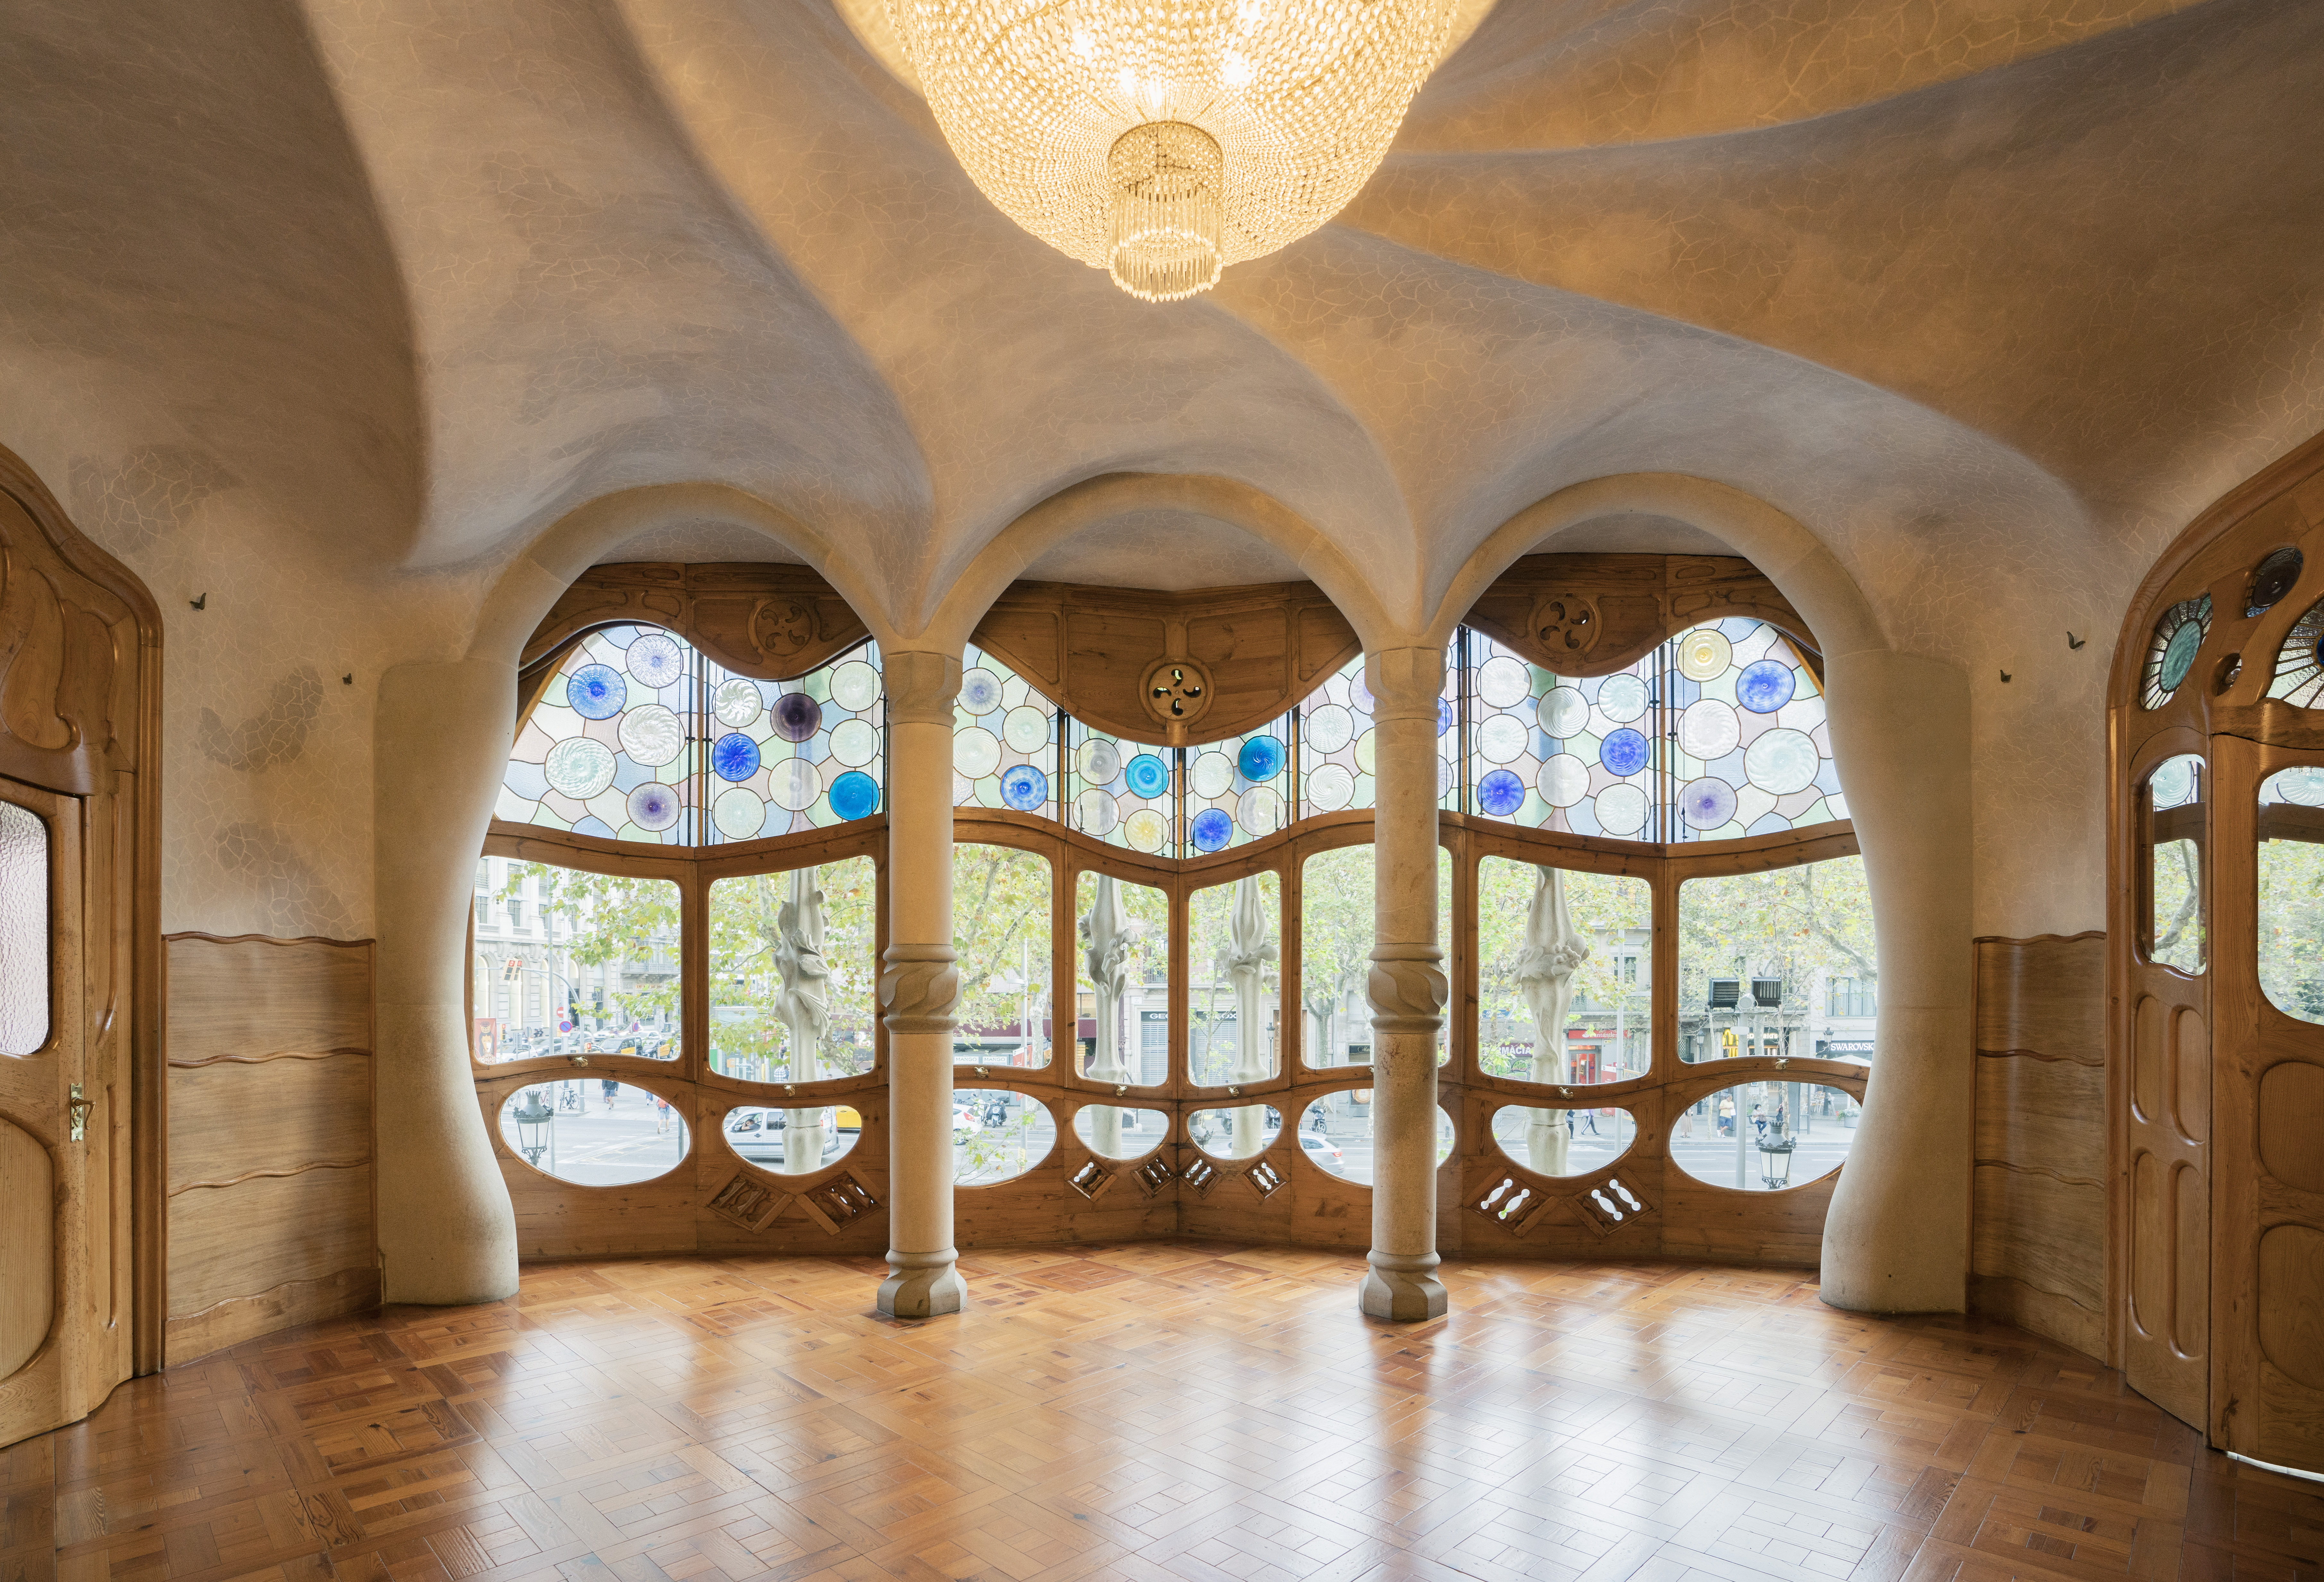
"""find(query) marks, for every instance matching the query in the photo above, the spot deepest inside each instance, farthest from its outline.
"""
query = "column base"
(1402, 1288)
(922, 1285)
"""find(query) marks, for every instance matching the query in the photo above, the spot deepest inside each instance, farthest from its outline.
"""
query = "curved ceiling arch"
(1093, 505)
(524, 591)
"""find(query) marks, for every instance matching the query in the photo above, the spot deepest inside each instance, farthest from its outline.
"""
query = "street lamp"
(1775, 1164)
(535, 1125)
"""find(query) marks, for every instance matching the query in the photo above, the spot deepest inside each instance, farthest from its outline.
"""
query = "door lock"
(80, 1106)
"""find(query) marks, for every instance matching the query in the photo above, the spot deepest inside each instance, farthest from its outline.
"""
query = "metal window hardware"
(80, 1109)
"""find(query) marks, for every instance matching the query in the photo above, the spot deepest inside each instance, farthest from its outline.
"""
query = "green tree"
(630, 924)
(1001, 911)
(1608, 908)
(1788, 922)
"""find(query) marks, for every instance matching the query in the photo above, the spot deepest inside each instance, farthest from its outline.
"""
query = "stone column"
(447, 1232)
(1896, 1238)
(919, 985)
(1408, 988)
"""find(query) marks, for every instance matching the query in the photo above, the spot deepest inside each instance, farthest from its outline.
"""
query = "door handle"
(80, 1109)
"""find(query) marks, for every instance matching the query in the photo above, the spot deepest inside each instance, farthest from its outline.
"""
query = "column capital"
(1408, 988)
(918, 986)
(1405, 682)
(921, 685)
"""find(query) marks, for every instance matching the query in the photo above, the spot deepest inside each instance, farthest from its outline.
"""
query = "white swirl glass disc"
(854, 743)
(1782, 762)
(1328, 728)
(738, 704)
(652, 735)
(1562, 713)
(1365, 747)
(1214, 776)
(1025, 729)
(1101, 762)
(1709, 730)
(1564, 780)
(1096, 813)
(1703, 654)
(794, 784)
(975, 752)
(980, 691)
(1621, 698)
(855, 686)
(1502, 739)
(1622, 810)
(739, 814)
(580, 767)
(1260, 810)
(655, 660)
(1146, 828)
(1330, 788)
(1503, 682)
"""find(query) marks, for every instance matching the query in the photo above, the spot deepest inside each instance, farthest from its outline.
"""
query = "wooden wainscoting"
(270, 1147)
(2039, 1232)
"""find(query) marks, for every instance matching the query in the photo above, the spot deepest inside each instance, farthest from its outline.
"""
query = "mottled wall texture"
(319, 313)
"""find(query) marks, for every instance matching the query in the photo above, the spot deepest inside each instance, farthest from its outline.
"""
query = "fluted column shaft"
(1408, 988)
(919, 985)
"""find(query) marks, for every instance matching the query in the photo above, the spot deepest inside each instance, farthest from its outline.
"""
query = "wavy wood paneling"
(2039, 1219)
(270, 1179)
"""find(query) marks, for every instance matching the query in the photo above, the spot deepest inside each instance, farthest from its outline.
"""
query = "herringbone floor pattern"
(1146, 1411)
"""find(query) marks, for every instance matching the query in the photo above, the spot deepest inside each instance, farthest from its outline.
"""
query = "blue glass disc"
(1444, 715)
(653, 805)
(734, 755)
(1500, 793)
(1765, 685)
(2179, 657)
(1262, 758)
(855, 794)
(1707, 803)
(596, 692)
(1213, 829)
(1024, 788)
(1147, 777)
(1623, 752)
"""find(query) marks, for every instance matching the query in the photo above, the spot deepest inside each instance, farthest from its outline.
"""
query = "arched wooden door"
(79, 953)
(2219, 758)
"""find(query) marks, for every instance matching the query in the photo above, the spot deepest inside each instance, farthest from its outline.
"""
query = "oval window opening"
(1565, 1141)
(1764, 1137)
(1335, 1134)
(1243, 1132)
(594, 1131)
(764, 1136)
(998, 1134)
(1112, 1132)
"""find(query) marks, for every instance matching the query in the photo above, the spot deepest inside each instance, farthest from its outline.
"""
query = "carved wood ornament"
(1594, 614)
(1174, 669)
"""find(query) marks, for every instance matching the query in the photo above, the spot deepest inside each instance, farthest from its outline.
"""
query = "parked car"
(756, 1132)
(1319, 1149)
(966, 1124)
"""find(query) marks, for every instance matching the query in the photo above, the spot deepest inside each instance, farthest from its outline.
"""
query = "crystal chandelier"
(1163, 140)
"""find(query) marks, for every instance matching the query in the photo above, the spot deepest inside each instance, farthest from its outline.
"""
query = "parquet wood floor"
(1145, 1412)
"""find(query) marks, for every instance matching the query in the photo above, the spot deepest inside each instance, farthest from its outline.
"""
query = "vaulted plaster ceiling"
(1976, 289)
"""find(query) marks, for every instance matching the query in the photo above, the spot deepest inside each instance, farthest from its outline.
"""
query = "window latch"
(80, 1109)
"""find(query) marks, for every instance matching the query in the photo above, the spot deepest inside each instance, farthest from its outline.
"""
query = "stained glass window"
(1121, 791)
(2178, 639)
(1336, 743)
(612, 748)
(1004, 740)
(639, 733)
(1717, 734)
(1236, 788)
(2299, 664)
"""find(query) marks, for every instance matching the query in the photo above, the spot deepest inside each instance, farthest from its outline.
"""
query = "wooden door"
(2167, 1109)
(2267, 1386)
(57, 1318)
